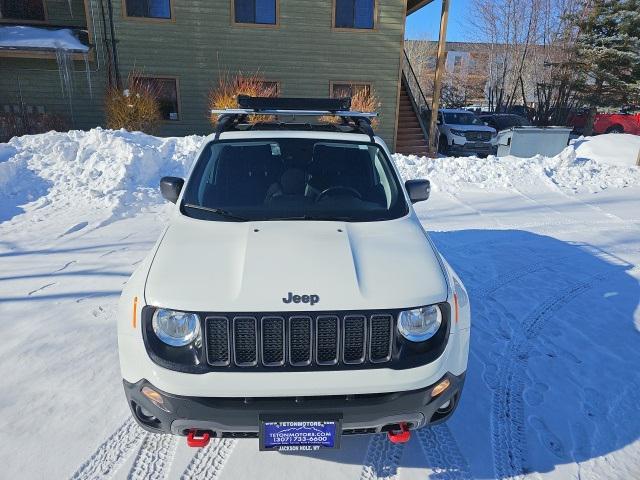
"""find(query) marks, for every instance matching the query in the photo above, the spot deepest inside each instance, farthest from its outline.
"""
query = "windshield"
(293, 179)
(509, 121)
(461, 118)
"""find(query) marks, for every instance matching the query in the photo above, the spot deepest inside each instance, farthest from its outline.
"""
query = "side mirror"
(170, 187)
(418, 190)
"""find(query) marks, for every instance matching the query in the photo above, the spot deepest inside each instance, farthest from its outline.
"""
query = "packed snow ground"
(548, 248)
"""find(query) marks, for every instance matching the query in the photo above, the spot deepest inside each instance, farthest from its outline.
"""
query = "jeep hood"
(251, 266)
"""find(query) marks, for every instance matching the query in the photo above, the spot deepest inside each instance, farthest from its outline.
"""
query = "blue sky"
(425, 23)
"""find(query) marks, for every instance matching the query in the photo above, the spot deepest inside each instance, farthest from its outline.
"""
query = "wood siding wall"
(32, 79)
(304, 54)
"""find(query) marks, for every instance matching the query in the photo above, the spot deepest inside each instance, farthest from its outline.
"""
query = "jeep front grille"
(298, 340)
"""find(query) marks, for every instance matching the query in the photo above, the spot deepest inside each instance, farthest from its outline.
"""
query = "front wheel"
(615, 129)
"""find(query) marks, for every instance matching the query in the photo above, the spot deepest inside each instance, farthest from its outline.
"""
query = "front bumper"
(240, 416)
(479, 148)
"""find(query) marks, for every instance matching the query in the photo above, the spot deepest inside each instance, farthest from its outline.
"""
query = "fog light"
(441, 387)
(154, 397)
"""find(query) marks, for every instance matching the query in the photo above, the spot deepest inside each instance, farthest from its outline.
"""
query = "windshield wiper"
(218, 211)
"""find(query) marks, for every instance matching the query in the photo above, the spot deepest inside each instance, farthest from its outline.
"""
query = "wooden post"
(437, 83)
(638, 160)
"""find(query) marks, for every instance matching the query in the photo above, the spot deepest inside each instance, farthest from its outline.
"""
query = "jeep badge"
(311, 299)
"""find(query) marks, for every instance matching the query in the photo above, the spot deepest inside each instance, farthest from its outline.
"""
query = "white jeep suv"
(294, 295)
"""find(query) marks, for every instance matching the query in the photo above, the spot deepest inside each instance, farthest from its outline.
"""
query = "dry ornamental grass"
(225, 95)
(135, 108)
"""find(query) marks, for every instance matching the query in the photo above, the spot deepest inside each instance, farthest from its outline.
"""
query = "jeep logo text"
(310, 299)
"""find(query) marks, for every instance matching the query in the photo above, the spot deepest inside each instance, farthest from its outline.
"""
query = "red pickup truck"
(609, 123)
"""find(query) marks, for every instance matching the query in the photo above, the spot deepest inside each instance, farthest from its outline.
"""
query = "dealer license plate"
(299, 435)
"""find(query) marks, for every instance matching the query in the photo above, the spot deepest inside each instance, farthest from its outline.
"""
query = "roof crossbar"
(294, 113)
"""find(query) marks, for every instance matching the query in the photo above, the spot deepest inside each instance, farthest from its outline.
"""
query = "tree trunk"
(588, 125)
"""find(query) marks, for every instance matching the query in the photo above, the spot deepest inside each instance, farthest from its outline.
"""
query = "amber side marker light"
(441, 387)
(155, 397)
(135, 311)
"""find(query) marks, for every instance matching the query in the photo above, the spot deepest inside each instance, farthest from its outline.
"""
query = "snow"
(34, 37)
(611, 148)
(548, 248)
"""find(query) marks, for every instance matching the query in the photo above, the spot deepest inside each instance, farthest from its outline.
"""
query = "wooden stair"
(410, 139)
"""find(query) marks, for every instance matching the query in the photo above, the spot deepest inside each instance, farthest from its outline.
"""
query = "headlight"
(420, 324)
(458, 133)
(176, 328)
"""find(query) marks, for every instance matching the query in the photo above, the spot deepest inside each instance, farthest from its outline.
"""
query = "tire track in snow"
(442, 453)
(382, 459)
(507, 410)
(154, 457)
(209, 461)
(109, 456)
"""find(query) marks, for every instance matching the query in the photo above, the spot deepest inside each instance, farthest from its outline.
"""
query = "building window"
(166, 91)
(160, 9)
(261, 12)
(354, 14)
(343, 90)
(22, 10)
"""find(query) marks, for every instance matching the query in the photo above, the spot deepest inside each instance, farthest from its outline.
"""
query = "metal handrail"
(414, 84)
(416, 95)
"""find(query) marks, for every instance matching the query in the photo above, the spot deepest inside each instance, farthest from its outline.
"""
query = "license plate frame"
(329, 425)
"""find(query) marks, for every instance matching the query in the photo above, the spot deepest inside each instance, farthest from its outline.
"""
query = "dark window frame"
(255, 24)
(147, 18)
(353, 27)
(176, 81)
(44, 19)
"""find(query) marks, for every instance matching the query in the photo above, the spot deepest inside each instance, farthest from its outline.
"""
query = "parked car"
(294, 295)
(463, 133)
(504, 121)
(608, 123)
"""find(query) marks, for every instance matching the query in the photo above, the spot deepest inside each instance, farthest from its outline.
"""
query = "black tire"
(443, 145)
(615, 129)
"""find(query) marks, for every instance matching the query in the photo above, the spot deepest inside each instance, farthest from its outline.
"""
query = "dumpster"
(530, 141)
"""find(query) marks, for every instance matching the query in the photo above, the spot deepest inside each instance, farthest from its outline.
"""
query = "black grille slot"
(327, 340)
(300, 340)
(245, 341)
(273, 341)
(354, 339)
(380, 338)
(218, 341)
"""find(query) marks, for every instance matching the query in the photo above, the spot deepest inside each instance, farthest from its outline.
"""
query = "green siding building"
(307, 48)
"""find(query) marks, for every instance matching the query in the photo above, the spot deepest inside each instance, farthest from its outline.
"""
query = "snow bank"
(565, 170)
(32, 37)
(116, 170)
(614, 149)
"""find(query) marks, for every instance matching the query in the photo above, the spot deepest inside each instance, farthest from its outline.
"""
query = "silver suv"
(463, 133)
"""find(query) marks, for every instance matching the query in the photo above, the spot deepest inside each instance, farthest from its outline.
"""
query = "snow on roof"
(40, 38)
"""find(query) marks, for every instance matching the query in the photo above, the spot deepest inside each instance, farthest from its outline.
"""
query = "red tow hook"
(197, 441)
(402, 436)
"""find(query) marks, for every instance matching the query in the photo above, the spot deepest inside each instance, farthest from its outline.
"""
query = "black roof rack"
(294, 103)
(230, 119)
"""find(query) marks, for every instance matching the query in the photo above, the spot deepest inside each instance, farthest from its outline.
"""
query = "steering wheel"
(348, 190)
